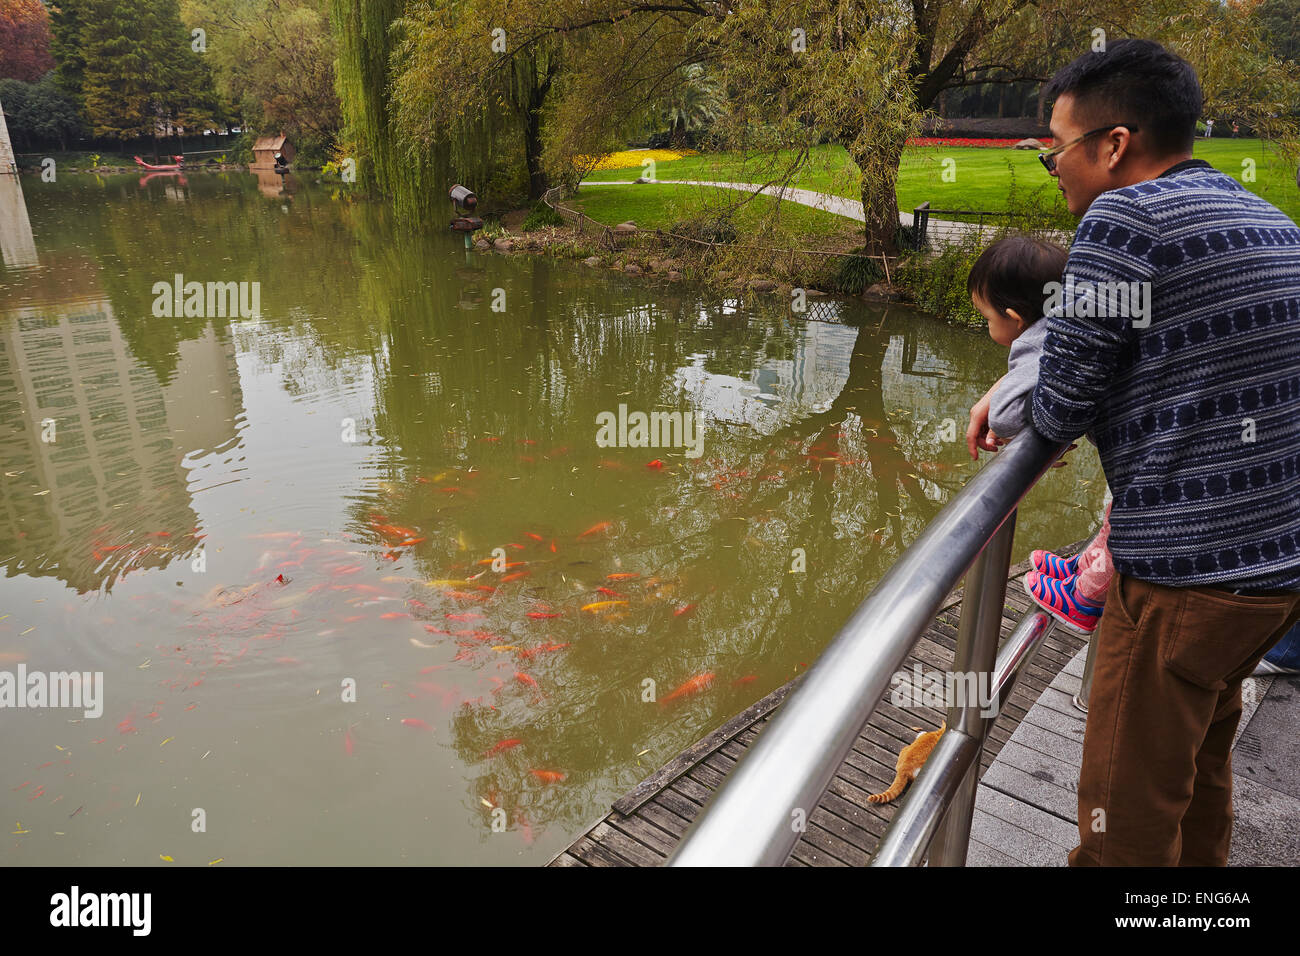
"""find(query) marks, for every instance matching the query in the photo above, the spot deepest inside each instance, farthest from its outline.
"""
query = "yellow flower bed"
(635, 157)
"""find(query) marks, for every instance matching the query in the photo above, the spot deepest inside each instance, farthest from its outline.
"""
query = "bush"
(541, 216)
(938, 283)
(856, 273)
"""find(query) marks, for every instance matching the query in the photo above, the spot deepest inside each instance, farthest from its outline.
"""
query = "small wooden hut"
(264, 151)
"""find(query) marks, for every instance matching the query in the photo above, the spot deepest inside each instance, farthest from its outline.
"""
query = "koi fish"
(539, 649)
(656, 464)
(611, 593)
(597, 528)
(622, 576)
(602, 605)
(516, 576)
(547, 776)
(539, 616)
(447, 583)
(747, 679)
(512, 544)
(415, 722)
(348, 744)
(525, 679)
(471, 616)
(553, 547)
(501, 746)
(535, 537)
(684, 610)
(696, 684)
(393, 615)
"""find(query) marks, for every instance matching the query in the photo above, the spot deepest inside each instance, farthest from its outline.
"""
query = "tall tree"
(141, 76)
(24, 40)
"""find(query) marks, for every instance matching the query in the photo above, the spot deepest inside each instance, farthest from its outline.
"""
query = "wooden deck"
(644, 826)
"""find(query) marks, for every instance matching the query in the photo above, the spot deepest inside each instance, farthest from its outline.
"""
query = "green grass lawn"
(658, 207)
(980, 178)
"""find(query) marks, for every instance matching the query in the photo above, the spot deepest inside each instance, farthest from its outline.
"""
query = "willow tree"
(862, 73)
(415, 172)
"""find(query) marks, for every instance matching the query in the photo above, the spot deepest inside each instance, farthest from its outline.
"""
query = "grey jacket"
(1009, 407)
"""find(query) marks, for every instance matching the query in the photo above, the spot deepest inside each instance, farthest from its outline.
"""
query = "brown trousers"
(1155, 788)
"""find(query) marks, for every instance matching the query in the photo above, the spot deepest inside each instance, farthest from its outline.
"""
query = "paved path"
(1026, 806)
(938, 230)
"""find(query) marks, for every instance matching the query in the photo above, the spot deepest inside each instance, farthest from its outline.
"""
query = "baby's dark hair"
(1012, 273)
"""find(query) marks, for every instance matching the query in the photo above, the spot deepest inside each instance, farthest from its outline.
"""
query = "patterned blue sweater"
(1195, 409)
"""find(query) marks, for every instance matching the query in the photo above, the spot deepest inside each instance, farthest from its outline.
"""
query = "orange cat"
(910, 762)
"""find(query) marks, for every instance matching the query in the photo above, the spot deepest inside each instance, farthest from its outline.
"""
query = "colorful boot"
(1061, 600)
(1045, 562)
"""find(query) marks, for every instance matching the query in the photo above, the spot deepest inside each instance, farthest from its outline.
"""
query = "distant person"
(1209, 128)
(1235, 130)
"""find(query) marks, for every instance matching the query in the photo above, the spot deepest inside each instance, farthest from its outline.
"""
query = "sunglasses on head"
(1048, 158)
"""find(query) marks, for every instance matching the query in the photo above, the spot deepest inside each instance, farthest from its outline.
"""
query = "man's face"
(1080, 177)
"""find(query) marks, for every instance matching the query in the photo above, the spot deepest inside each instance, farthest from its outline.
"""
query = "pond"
(364, 581)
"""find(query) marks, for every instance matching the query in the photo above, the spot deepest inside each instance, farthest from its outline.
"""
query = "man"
(1195, 407)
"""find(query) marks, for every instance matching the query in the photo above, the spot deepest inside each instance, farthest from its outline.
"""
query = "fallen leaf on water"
(220, 859)
(166, 741)
(163, 856)
(137, 798)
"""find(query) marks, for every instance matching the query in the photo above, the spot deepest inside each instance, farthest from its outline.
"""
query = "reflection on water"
(359, 579)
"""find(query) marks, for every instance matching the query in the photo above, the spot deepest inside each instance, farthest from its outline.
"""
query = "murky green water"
(236, 520)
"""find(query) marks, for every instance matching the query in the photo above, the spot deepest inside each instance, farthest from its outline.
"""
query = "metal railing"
(755, 817)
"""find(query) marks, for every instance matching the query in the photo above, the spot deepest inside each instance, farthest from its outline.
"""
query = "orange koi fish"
(540, 649)
(393, 615)
(547, 776)
(747, 679)
(621, 576)
(471, 616)
(525, 679)
(539, 616)
(696, 684)
(684, 610)
(515, 576)
(602, 605)
(501, 746)
(535, 537)
(415, 722)
(611, 593)
(597, 528)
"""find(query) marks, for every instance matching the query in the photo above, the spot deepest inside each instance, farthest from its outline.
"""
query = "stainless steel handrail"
(756, 817)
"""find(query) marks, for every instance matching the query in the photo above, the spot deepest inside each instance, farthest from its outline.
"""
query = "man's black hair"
(1012, 272)
(1134, 81)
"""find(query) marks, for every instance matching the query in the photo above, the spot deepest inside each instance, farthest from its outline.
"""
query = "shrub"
(706, 229)
(541, 215)
(856, 273)
(937, 283)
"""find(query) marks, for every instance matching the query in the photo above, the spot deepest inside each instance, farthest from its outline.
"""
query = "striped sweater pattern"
(1195, 407)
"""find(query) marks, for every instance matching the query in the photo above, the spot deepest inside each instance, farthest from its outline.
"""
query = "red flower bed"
(960, 141)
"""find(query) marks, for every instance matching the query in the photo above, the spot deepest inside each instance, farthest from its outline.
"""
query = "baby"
(1007, 285)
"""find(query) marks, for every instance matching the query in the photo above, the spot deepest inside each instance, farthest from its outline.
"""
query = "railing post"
(1085, 685)
(920, 224)
(977, 650)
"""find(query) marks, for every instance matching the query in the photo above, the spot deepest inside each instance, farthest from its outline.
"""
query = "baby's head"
(1007, 283)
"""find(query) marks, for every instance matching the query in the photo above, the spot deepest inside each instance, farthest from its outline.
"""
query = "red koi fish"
(393, 615)
(517, 547)
(695, 685)
(548, 776)
(684, 610)
(471, 616)
(501, 746)
(525, 679)
(553, 547)
(540, 649)
(535, 537)
(539, 616)
(747, 679)
(656, 464)
(415, 722)
(622, 576)
(515, 576)
(611, 593)
(597, 528)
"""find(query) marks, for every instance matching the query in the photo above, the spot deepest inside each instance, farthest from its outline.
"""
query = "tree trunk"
(537, 182)
(879, 169)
